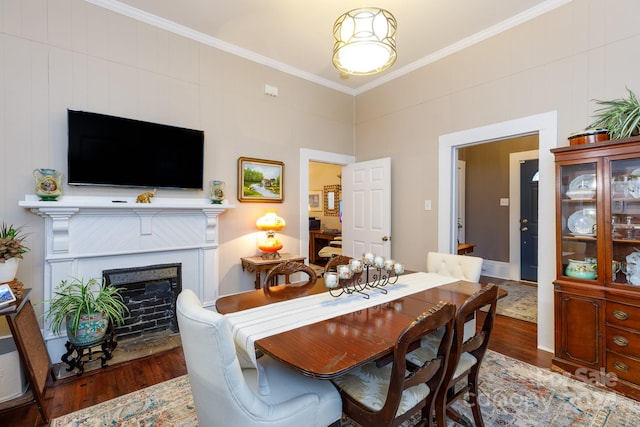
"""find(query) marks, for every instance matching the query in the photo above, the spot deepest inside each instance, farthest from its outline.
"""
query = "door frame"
(307, 155)
(546, 125)
(514, 209)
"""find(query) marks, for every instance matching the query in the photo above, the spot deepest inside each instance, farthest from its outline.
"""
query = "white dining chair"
(463, 267)
(226, 393)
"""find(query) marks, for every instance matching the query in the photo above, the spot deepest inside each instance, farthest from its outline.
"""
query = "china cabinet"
(597, 290)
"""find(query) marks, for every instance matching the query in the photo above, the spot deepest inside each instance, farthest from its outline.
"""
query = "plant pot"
(92, 328)
(8, 270)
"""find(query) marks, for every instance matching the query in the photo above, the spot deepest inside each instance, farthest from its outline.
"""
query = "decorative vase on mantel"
(48, 184)
(9, 269)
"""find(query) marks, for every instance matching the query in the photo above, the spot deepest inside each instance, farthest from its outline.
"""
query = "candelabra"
(370, 272)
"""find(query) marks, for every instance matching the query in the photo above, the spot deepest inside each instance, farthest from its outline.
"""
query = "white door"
(366, 218)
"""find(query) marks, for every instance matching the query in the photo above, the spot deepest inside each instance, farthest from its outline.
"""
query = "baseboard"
(497, 269)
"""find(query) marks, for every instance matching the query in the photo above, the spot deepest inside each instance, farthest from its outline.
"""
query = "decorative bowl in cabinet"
(581, 269)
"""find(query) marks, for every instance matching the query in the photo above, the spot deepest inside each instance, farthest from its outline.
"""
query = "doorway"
(489, 194)
(546, 125)
(529, 220)
(306, 156)
(515, 215)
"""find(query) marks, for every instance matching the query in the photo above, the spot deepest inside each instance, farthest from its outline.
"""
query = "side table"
(465, 248)
(257, 264)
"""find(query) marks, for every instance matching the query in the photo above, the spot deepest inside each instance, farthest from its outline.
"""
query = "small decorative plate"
(582, 222)
(583, 182)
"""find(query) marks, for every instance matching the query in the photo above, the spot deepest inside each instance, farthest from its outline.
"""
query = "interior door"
(366, 219)
(529, 220)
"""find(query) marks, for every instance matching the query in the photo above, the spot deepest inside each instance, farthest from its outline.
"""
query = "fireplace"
(90, 236)
(150, 293)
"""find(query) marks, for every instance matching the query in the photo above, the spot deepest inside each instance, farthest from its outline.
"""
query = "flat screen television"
(114, 151)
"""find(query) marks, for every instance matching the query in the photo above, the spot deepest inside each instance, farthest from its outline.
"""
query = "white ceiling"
(296, 36)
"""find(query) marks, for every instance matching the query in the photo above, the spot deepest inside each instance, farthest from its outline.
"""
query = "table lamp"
(270, 223)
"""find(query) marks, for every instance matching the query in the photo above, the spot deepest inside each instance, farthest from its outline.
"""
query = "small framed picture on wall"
(315, 201)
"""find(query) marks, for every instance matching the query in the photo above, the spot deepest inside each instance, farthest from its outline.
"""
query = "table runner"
(250, 325)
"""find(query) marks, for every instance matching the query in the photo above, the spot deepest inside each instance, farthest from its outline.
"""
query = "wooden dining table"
(331, 347)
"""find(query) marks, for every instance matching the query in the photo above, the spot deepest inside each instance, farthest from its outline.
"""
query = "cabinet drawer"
(623, 315)
(626, 368)
(623, 341)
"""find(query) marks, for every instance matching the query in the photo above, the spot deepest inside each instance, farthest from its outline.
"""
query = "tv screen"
(114, 151)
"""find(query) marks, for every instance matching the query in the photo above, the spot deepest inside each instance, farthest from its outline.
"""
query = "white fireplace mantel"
(86, 235)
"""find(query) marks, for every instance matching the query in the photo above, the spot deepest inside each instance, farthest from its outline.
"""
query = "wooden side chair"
(335, 261)
(391, 394)
(465, 358)
(288, 268)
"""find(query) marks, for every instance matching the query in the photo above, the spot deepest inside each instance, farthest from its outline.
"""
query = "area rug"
(512, 393)
(521, 302)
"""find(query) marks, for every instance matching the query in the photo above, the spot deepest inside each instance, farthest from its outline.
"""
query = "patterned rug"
(513, 393)
(521, 302)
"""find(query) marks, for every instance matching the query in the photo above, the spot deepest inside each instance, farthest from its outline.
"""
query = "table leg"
(257, 284)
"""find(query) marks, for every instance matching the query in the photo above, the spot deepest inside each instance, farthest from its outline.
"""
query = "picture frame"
(315, 201)
(332, 199)
(6, 295)
(260, 180)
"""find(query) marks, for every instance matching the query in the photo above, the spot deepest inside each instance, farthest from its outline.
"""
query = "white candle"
(355, 265)
(331, 280)
(398, 268)
(378, 261)
(388, 264)
(344, 272)
(368, 258)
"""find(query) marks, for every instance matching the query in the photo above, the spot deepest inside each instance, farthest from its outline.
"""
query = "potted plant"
(87, 308)
(621, 117)
(11, 249)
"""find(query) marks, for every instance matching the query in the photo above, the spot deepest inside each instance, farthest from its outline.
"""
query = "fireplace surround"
(85, 236)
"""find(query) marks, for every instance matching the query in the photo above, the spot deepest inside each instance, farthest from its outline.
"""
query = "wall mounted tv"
(114, 151)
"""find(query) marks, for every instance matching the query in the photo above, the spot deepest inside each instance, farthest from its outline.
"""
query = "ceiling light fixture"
(364, 41)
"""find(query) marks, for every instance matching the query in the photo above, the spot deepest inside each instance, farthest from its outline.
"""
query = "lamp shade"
(270, 222)
(364, 41)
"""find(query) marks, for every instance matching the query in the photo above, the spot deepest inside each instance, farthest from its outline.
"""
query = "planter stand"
(85, 353)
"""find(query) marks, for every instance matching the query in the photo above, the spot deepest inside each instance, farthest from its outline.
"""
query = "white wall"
(59, 54)
(560, 61)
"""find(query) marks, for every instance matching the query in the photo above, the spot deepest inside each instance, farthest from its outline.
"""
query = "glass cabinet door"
(579, 221)
(625, 221)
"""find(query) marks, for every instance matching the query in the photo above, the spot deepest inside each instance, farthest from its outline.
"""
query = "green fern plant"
(77, 297)
(621, 117)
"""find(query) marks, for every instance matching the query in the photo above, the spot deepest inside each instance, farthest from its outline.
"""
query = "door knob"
(525, 221)
(525, 228)
(385, 238)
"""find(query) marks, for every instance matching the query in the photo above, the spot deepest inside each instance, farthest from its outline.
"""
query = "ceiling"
(295, 36)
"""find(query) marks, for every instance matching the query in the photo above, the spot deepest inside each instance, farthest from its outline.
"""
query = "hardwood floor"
(512, 337)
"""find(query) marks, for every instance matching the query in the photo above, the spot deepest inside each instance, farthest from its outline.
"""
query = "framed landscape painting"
(260, 180)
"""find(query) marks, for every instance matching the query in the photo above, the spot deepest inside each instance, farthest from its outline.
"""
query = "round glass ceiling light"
(364, 41)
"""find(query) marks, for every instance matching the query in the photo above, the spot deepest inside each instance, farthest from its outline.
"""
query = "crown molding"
(156, 21)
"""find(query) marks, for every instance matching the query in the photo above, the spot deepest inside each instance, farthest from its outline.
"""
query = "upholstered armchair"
(226, 394)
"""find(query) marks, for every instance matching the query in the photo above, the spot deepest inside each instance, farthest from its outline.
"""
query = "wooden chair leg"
(474, 398)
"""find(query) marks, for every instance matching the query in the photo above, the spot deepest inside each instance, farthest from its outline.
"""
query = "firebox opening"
(150, 293)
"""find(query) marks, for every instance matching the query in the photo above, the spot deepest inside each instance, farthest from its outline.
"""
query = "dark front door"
(529, 220)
